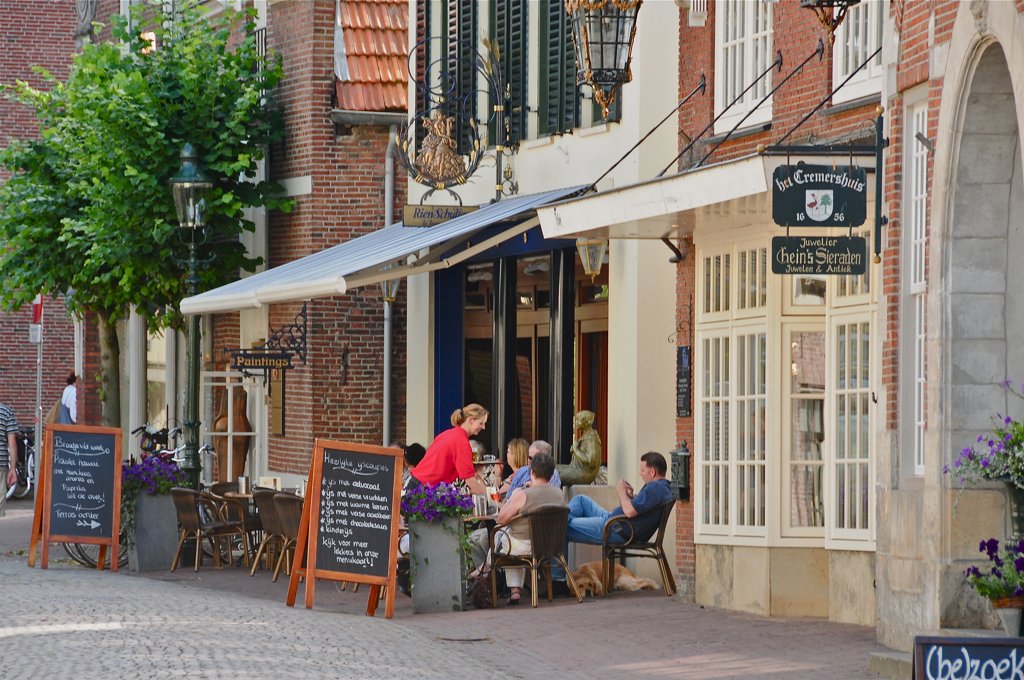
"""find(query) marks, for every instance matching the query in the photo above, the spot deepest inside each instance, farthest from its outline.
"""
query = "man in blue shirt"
(587, 518)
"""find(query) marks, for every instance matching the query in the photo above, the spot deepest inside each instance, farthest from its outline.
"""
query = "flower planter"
(438, 566)
(151, 548)
(1009, 611)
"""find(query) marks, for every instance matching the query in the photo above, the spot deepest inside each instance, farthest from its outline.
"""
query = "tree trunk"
(110, 354)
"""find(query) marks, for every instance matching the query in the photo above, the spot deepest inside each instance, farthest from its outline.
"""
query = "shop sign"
(429, 215)
(250, 360)
(945, 658)
(683, 381)
(819, 196)
(819, 255)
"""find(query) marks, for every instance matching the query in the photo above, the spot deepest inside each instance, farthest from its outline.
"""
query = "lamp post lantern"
(189, 187)
(591, 252)
(602, 36)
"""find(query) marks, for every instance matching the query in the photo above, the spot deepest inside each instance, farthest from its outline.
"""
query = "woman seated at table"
(516, 457)
(513, 534)
(450, 457)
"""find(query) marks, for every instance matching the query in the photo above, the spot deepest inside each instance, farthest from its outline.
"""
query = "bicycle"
(26, 466)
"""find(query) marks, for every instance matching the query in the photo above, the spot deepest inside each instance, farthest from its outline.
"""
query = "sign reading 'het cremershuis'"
(819, 196)
(819, 255)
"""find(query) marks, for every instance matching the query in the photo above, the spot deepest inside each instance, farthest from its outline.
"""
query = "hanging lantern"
(602, 37)
(592, 252)
(830, 13)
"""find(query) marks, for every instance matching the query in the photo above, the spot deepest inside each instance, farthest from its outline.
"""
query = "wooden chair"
(289, 514)
(221, 488)
(273, 539)
(236, 509)
(547, 542)
(637, 546)
(201, 517)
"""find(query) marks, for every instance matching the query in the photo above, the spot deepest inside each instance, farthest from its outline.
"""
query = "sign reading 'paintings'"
(819, 196)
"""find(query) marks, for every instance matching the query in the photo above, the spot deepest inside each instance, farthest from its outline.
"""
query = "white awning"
(730, 194)
(375, 257)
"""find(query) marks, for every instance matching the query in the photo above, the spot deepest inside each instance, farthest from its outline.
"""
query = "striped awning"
(396, 251)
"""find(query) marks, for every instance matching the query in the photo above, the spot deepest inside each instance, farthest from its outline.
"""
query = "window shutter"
(462, 37)
(422, 61)
(560, 97)
(511, 32)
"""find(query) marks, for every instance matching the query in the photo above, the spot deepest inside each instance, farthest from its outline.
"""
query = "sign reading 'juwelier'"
(819, 196)
(819, 255)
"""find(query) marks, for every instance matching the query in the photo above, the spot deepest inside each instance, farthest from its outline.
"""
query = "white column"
(419, 386)
(135, 368)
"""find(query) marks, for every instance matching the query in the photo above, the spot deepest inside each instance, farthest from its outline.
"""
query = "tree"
(88, 208)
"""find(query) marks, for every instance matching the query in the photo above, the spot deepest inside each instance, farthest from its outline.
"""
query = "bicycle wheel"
(25, 477)
(87, 554)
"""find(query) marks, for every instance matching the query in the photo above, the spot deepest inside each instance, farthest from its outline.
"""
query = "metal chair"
(273, 539)
(201, 516)
(547, 542)
(637, 546)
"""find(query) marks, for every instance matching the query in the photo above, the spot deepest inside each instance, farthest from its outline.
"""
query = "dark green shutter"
(423, 54)
(462, 39)
(511, 32)
(560, 97)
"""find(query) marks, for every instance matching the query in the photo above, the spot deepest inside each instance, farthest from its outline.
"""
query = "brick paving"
(69, 621)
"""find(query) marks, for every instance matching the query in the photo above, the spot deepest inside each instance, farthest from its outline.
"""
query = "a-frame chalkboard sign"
(80, 475)
(349, 527)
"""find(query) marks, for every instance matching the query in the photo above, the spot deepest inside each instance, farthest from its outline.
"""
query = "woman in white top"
(69, 402)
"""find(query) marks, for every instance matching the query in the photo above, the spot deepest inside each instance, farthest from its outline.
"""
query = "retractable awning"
(377, 256)
(730, 194)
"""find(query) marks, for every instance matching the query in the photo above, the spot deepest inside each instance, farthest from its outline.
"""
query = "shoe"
(513, 599)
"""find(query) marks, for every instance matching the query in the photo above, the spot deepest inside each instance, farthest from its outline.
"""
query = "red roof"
(376, 49)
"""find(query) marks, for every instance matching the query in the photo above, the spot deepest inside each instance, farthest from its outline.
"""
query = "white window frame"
(863, 25)
(913, 329)
(757, 51)
(857, 537)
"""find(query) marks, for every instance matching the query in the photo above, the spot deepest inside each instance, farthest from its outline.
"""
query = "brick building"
(827, 407)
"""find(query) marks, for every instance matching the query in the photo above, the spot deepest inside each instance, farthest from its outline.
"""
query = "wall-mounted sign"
(258, 360)
(819, 196)
(276, 353)
(683, 381)
(819, 255)
(429, 215)
(939, 658)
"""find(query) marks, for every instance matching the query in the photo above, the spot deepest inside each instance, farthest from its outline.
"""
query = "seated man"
(587, 518)
(521, 477)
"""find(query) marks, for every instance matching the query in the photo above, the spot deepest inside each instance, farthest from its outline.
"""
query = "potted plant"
(438, 546)
(148, 518)
(1002, 583)
(999, 457)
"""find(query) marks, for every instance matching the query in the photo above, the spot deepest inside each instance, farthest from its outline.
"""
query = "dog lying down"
(588, 578)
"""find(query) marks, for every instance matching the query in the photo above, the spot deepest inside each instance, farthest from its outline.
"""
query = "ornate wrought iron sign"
(276, 353)
(819, 255)
(819, 196)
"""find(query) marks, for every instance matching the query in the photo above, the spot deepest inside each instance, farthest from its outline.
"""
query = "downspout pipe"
(389, 208)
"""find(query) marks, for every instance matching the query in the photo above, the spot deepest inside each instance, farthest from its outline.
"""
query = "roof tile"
(376, 43)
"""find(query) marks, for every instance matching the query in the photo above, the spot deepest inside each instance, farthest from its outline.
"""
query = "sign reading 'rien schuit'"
(819, 255)
(819, 196)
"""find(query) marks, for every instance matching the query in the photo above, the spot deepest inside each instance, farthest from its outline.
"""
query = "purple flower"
(991, 547)
(972, 571)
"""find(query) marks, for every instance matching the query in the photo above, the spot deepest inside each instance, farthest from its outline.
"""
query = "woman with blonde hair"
(450, 456)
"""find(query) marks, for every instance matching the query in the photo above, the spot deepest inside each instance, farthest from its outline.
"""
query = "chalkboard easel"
(349, 526)
(79, 497)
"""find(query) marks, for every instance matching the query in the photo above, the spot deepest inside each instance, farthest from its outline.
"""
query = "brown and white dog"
(588, 578)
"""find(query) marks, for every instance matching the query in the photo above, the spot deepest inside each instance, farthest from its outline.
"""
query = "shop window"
(851, 437)
(743, 51)
(804, 434)
(751, 388)
(855, 289)
(915, 233)
(717, 280)
(752, 290)
(715, 435)
(857, 38)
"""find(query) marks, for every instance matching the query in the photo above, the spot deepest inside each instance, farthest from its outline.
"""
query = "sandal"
(513, 598)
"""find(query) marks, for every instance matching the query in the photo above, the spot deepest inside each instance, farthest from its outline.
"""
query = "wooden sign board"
(81, 491)
(349, 527)
(819, 196)
(684, 387)
(820, 255)
(944, 658)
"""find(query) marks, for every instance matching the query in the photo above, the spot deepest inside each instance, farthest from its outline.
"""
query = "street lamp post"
(190, 186)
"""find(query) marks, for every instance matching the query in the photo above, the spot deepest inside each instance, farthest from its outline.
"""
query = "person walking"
(8, 454)
(69, 402)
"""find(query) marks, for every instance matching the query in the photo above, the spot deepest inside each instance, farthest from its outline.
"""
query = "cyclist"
(8, 454)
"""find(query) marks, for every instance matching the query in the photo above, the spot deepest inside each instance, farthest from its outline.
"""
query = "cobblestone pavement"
(71, 622)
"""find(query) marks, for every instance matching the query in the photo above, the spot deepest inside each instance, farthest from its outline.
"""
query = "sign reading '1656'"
(819, 196)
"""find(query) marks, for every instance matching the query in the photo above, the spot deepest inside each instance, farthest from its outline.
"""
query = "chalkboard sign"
(946, 658)
(684, 372)
(349, 529)
(81, 483)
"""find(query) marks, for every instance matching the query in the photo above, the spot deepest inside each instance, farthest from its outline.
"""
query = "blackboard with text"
(349, 529)
(946, 658)
(81, 488)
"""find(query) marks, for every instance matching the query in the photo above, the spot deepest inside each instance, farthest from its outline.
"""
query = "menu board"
(81, 485)
(349, 526)
(356, 497)
(943, 658)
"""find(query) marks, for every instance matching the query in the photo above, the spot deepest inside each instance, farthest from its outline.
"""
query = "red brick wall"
(338, 393)
(33, 33)
(685, 291)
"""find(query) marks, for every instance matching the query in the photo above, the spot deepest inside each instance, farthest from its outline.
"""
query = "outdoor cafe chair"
(272, 543)
(201, 516)
(636, 546)
(547, 542)
(289, 514)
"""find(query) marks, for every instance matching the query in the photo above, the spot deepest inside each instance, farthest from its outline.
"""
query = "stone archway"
(985, 299)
